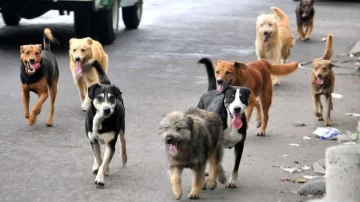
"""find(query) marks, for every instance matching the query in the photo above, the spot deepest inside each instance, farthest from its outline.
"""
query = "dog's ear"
(190, 123)
(91, 90)
(118, 92)
(21, 49)
(239, 65)
(331, 65)
(39, 46)
(89, 40)
(216, 62)
(71, 41)
(245, 91)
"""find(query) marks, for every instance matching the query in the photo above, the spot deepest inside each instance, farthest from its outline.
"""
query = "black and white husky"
(229, 103)
(104, 122)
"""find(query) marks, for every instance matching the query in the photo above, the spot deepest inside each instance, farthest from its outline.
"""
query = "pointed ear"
(89, 40)
(239, 65)
(91, 90)
(190, 123)
(39, 45)
(246, 91)
(21, 49)
(331, 65)
(216, 62)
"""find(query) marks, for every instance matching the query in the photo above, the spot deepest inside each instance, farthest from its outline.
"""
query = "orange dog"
(257, 77)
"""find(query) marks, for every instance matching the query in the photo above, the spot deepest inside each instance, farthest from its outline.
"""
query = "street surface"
(156, 69)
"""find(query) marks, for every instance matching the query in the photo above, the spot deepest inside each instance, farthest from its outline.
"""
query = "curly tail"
(283, 69)
(47, 38)
(103, 79)
(210, 73)
(328, 47)
(282, 15)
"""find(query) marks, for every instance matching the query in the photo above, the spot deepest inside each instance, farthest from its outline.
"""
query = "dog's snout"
(32, 60)
(319, 76)
(169, 139)
(266, 33)
(77, 59)
(107, 111)
(237, 109)
(220, 81)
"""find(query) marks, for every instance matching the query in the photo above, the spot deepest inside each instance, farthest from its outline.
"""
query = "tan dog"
(257, 77)
(322, 82)
(80, 52)
(274, 39)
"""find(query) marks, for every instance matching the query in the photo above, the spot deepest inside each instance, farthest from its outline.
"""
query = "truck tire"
(11, 16)
(83, 23)
(106, 23)
(131, 15)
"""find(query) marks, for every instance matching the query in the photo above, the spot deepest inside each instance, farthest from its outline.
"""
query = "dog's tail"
(47, 38)
(282, 15)
(103, 79)
(283, 69)
(210, 73)
(328, 47)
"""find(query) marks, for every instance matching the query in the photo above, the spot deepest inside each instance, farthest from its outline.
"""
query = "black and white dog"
(104, 121)
(229, 104)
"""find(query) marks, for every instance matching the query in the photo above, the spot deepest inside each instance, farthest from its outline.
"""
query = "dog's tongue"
(173, 151)
(35, 66)
(265, 38)
(319, 81)
(236, 121)
(78, 68)
(303, 15)
(220, 87)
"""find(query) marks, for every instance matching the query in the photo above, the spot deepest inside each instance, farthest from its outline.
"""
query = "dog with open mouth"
(323, 82)
(104, 121)
(305, 13)
(39, 73)
(193, 138)
(229, 103)
(80, 52)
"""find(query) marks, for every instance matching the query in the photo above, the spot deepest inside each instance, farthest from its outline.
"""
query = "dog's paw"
(85, 106)
(222, 178)
(49, 124)
(327, 122)
(260, 133)
(320, 118)
(230, 185)
(211, 184)
(99, 180)
(26, 115)
(177, 196)
(194, 195)
(32, 119)
(306, 38)
(204, 186)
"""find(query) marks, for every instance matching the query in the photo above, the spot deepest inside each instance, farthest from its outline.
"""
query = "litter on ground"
(294, 145)
(335, 95)
(352, 114)
(326, 133)
(306, 138)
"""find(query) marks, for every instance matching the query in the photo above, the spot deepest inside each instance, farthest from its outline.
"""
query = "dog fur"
(80, 52)
(39, 73)
(229, 103)
(256, 76)
(323, 82)
(104, 121)
(305, 13)
(274, 39)
(192, 139)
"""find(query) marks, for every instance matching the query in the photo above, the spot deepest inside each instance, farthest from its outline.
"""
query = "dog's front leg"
(104, 168)
(175, 179)
(198, 181)
(308, 30)
(37, 107)
(328, 108)
(300, 31)
(25, 101)
(81, 88)
(97, 125)
(239, 148)
(318, 108)
(97, 156)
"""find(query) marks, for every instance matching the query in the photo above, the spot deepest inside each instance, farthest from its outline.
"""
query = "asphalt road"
(156, 68)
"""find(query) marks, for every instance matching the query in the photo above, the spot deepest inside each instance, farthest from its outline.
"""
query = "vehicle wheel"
(11, 16)
(83, 23)
(107, 20)
(132, 15)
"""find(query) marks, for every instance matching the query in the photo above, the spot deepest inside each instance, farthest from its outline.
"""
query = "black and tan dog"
(192, 139)
(323, 82)
(305, 13)
(39, 73)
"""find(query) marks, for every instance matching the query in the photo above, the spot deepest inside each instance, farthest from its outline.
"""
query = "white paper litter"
(311, 177)
(294, 145)
(306, 167)
(306, 138)
(353, 114)
(335, 95)
(292, 170)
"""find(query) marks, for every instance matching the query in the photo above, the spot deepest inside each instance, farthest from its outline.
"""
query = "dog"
(274, 39)
(323, 82)
(104, 121)
(256, 76)
(80, 52)
(192, 139)
(229, 103)
(305, 13)
(39, 73)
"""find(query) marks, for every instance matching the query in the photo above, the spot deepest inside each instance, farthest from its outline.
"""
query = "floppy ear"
(245, 91)
(118, 92)
(190, 123)
(21, 49)
(89, 40)
(91, 90)
(239, 65)
(71, 40)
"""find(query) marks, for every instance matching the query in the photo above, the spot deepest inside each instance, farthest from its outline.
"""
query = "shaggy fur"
(274, 39)
(192, 139)
(323, 82)
(80, 52)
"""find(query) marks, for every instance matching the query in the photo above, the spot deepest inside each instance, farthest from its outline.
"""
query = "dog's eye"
(270, 24)
(27, 52)
(217, 72)
(74, 50)
(112, 99)
(37, 53)
(228, 73)
(100, 98)
(82, 50)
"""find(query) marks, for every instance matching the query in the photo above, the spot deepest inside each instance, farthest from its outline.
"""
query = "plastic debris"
(353, 114)
(292, 170)
(311, 177)
(323, 39)
(305, 167)
(335, 95)
(326, 133)
(286, 155)
(348, 137)
(294, 145)
(318, 168)
(306, 138)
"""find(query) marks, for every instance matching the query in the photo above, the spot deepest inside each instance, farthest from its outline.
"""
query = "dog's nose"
(168, 139)
(220, 81)
(266, 33)
(77, 59)
(319, 76)
(237, 109)
(107, 112)
(32, 60)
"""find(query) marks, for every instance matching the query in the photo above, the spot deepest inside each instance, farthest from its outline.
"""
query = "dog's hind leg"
(250, 108)
(239, 148)
(198, 181)
(104, 168)
(53, 92)
(175, 179)
(97, 156)
(266, 100)
(123, 147)
(258, 113)
(214, 161)
(328, 108)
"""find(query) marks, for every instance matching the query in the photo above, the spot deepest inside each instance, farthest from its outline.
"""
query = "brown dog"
(257, 77)
(322, 82)
(39, 73)
(305, 18)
